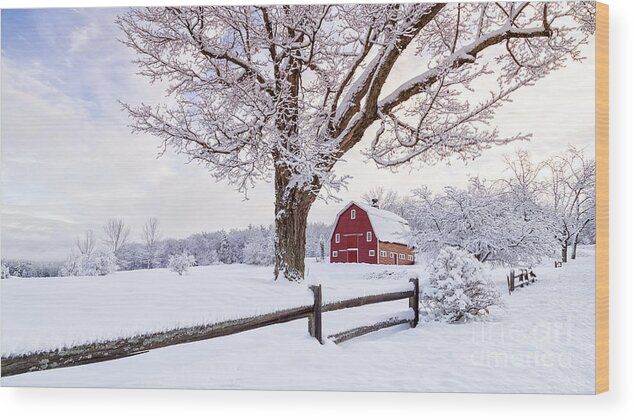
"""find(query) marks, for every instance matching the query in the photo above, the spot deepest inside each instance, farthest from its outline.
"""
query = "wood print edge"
(602, 204)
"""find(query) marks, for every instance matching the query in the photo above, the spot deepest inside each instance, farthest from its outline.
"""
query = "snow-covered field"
(49, 313)
(542, 340)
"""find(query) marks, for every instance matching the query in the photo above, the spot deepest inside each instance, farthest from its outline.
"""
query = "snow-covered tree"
(482, 220)
(458, 289)
(315, 232)
(5, 272)
(133, 256)
(203, 246)
(525, 187)
(151, 242)
(225, 254)
(260, 249)
(322, 248)
(284, 92)
(524, 182)
(572, 195)
(180, 263)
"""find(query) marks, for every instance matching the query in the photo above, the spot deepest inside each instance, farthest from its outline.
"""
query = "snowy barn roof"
(387, 226)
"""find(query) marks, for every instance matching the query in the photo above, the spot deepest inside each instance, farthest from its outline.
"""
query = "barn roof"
(387, 226)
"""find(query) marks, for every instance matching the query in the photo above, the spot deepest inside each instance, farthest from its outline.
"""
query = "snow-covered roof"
(387, 226)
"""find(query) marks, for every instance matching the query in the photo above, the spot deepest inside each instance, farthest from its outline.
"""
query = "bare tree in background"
(86, 244)
(572, 190)
(116, 235)
(284, 92)
(383, 198)
(151, 241)
(525, 181)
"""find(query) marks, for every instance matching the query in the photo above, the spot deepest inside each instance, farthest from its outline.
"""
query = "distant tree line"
(115, 249)
(25, 268)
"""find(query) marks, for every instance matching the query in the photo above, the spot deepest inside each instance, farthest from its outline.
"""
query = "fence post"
(508, 283)
(413, 302)
(314, 319)
(512, 277)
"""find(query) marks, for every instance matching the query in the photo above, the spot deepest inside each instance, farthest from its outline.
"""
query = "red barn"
(366, 234)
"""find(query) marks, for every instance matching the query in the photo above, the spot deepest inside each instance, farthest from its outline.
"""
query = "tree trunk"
(574, 247)
(564, 252)
(291, 217)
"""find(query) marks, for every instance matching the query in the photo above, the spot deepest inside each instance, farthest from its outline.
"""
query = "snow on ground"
(542, 341)
(49, 313)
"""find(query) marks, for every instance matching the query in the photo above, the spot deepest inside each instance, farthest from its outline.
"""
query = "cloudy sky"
(69, 161)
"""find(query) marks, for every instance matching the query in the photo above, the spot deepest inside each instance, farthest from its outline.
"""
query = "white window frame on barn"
(353, 214)
(371, 253)
(401, 256)
(384, 253)
(410, 258)
(392, 255)
(337, 238)
(335, 254)
(368, 236)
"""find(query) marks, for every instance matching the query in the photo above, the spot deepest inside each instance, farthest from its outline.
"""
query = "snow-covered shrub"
(102, 263)
(5, 272)
(458, 289)
(180, 263)
(99, 263)
(73, 265)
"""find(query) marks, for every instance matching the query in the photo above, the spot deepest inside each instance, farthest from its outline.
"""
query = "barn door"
(352, 242)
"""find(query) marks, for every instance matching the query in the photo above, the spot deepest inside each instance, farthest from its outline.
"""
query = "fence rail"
(314, 320)
(525, 277)
(126, 347)
(359, 331)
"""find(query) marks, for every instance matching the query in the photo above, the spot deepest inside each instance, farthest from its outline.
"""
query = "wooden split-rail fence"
(125, 347)
(315, 323)
(523, 277)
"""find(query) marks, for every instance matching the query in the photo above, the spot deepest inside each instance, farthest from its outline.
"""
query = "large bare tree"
(284, 92)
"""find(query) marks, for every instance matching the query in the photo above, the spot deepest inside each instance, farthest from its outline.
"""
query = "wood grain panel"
(602, 234)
